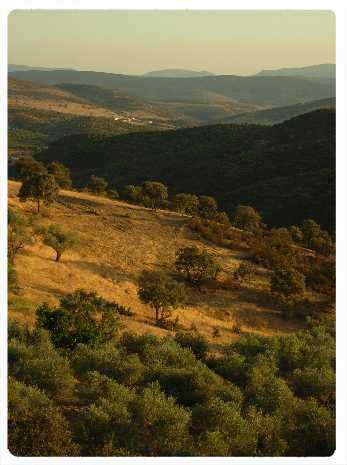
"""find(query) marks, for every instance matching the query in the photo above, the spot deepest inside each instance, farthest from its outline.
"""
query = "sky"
(135, 42)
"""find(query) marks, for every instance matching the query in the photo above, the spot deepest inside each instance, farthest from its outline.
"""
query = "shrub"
(38, 363)
(161, 292)
(245, 272)
(287, 282)
(26, 167)
(197, 266)
(81, 318)
(35, 426)
(97, 185)
(185, 203)
(61, 174)
(156, 193)
(112, 194)
(197, 343)
(247, 218)
(207, 207)
(161, 427)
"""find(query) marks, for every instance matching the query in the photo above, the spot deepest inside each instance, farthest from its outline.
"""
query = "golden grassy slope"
(26, 94)
(118, 241)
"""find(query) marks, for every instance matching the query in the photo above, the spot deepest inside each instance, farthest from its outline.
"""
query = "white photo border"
(340, 10)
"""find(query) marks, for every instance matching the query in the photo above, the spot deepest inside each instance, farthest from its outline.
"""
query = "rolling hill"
(279, 114)
(286, 171)
(255, 90)
(321, 71)
(118, 241)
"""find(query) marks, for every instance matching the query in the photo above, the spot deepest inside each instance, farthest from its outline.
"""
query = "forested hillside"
(286, 171)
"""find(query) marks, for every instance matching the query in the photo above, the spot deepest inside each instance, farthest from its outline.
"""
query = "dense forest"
(286, 171)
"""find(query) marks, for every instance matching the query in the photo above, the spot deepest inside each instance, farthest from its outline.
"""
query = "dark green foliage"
(186, 203)
(58, 240)
(26, 167)
(287, 282)
(40, 187)
(36, 362)
(315, 238)
(196, 265)
(110, 361)
(235, 436)
(286, 172)
(81, 318)
(247, 218)
(19, 234)
(161, 292)
(142, 395)
(113, 194)
(197, 343)
(161, 426)
(207, 207)
(154, 194)
(97, 185)
(132, 193)
(61, 174)
(36, 427)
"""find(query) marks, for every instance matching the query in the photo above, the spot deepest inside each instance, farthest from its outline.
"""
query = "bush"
(161, 427)
(97, 185)
(161, 292)
(81, 318)
(247, 218)
(35, 426)
(197, 343)
(186, 203)
(197, 266)
(245, 272)
(38, 363)
(208, 207)
(287, 282)
(155, 192)
(61, 174)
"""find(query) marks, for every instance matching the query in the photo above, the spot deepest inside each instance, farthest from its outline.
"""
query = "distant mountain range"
(262, 91)
(323, 71)
(177, 73)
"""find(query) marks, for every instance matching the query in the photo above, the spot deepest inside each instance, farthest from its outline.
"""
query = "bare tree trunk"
(38, 205)
(57, 258)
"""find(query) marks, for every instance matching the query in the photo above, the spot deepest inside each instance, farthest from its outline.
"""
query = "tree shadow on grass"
(104, 270)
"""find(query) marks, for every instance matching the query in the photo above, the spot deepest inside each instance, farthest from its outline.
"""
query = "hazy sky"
(134, 42)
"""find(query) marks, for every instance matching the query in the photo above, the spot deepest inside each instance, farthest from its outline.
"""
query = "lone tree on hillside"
(97, 185)
(26, 167)
(61, 174)
(59, 240)
(247, 218)
(156, 192)
(186, 203)
(81, 318)
(197, 266)
(287, 282)
(208, 207)
(161, 292)
(40, 187)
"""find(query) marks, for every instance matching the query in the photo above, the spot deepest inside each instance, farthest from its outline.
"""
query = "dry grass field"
(116, 242)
